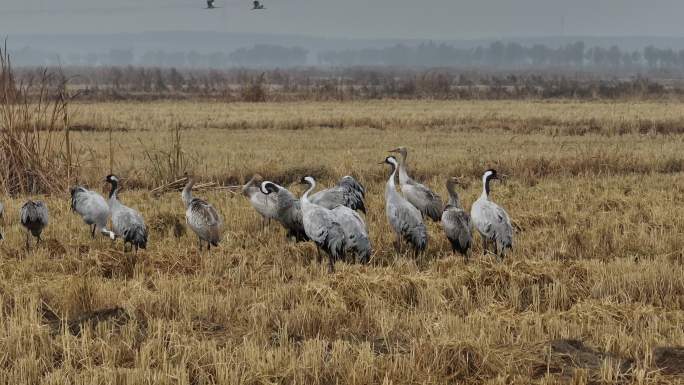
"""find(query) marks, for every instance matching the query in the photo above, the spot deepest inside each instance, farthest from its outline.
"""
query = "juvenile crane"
(202, 217)
(492, 221)
(265, 204)
(34, 217)
(321, 227)
(348, 192)
(405, 219)
(288, 210)
(93, 208)
(428, 202)
(127, 223)
(456, 221)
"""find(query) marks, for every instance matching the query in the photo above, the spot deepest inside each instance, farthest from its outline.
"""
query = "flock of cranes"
(329, 218)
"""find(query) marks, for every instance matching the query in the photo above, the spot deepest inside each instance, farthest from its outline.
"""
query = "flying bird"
(257, 5)
(210, 4)
(491, 220)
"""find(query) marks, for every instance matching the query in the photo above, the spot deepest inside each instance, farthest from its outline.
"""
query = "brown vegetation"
(35, 151)
(594, 285)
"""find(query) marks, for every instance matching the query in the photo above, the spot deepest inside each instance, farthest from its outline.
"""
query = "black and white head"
(308, 180)
(490, 174)
(391, 161)
(112, 179)
(267, 187)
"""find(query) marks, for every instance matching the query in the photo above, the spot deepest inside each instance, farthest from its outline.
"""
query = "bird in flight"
(258, 5)
(210, 4)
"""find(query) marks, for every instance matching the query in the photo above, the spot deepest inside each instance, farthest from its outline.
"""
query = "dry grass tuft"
(35, 150)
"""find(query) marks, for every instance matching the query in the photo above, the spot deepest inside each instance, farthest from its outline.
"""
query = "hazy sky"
(436, 19)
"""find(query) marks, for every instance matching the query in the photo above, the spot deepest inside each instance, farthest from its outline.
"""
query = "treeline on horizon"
(338, 84)
(497, 55)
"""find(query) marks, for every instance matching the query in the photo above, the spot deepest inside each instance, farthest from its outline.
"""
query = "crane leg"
(92, 233)
(331, 264)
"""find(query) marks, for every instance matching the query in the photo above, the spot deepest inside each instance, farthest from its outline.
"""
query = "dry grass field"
(593, 289)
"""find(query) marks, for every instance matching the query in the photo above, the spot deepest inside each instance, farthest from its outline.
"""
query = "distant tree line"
(507, 56)
(258, 56)
(347, 83)
(497, 55)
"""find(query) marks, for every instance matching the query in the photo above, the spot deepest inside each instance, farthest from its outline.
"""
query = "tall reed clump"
(35, 152)
(166, 165)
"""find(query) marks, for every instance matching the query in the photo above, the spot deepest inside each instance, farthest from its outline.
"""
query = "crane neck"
(485, 186)
(114, 190)
(403, 171)
(186, 195)
(390, 182)
(305, 197)
(454, 199)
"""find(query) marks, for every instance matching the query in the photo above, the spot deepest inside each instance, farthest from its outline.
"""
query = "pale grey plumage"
(348, 192)
(425, 200)
(355, 231)
(265, 205)
(127, 223)
(288, 210)
(456, 221)
(34, 217)
(93, 208)
(404, 218)
(202, 217)
(492, 221)
(321, 227)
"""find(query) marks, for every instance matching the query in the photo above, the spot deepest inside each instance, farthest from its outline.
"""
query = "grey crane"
(348, 192)
(93, 208)
(34, 217)
(405, 219)
(356, 233)
(265, 204)
(288, 212)
(456, 221)
(321, 227)
(201, 217)
(427, 201)
(492, 221)
(127, 223)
